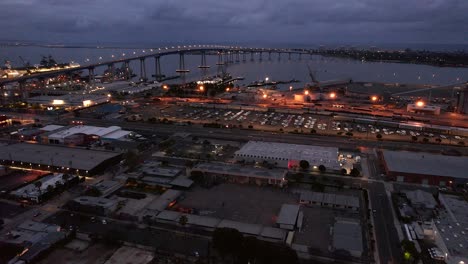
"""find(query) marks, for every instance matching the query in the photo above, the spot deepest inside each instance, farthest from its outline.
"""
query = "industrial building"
(57, 158)
(242, 174)
(33, 193)
(347, 235)
(461, 104)
(421, 199)
(424, 168)
(423, 109)
(288, 216)
(79, 135)
(329, 200)
(289, 155)
(450, 229)
(69, 100)
(93, 205)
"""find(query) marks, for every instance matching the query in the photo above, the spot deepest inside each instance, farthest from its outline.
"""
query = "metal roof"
(288, 214)
(426, 163)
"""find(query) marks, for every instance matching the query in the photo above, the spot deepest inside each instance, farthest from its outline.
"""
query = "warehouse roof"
(347, 235)
(50, 128)
(87, 130)
(426, 163)
(239, 170)
(288, 214)
(58, 156)
(421, 198)
(316, 155)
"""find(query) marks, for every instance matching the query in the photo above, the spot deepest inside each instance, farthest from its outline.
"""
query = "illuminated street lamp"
(165, 87)
(306, 92)
(266, 79)
(374, 98)
(332, 95)
(228, 89)
(290, 88)
(265, 96)
(420, 103)
(109, 95)
(201, 88)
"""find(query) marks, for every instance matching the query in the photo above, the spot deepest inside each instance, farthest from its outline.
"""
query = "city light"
(109, 95)
(290, 88)
(265, 96)
(332, 95)
(228, 89)
(374, 98)
(420, 103)
(266, 79)
(306, 92)
(201, 88)
(165, 87)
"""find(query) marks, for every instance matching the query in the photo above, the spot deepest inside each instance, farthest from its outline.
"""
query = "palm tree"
(38, 185)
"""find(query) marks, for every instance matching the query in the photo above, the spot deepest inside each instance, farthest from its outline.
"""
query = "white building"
(288, 216)
(62, 136)
(289, 155)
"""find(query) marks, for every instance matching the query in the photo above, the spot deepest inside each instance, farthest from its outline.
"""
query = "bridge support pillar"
(3, 94)
(126, 67)
(142, 69)
(203, 64)
(22, 90)
(251, 56)
(279, 56)
(237, 56)
(91, 76)
(182, 69)
(243, 56)
(226, 57)
(220, 58)
(269, 55)
(110, 69)
(289, 55)
(300, 56)
(260, 56)
(157, 68)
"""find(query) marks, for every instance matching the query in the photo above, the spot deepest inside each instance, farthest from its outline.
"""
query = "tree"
(344, 172)
(206, 142)
(298, 177)
(38, 185)
(93, 191)
(349, 134)
(183, 220)
(425, 140)
(304, 164)
(250, 126)
(410, 253)
(438, 140)
(313, 131)
(355, 172)
(378, 136)
(414, 138)
(50, 188)
(227, 241)
(131, 159)
(461, 143)
(322, 168)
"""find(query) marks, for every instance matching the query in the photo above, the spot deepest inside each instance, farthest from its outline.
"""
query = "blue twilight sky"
(236, 21)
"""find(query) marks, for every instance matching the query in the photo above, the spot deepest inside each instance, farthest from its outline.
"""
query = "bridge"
(226, 54)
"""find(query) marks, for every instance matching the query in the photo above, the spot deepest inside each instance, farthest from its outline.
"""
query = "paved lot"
(9, 210)
(95, 254)
(316, 226)
(244, 203)
(16, 178)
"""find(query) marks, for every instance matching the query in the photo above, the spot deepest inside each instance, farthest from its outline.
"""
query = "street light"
(332, 95)
(165, 87)
(228, 89)
(201, 88)
(374, 98)
(290, 88)
(264, 96)
(420, 103)
(306, 92)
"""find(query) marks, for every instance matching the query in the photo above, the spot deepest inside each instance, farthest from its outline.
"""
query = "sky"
(235, 21)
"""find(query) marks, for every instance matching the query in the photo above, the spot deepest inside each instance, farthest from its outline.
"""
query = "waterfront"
(325, 68)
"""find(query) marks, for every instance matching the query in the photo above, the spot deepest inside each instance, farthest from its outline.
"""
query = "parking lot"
(294, 121)
(244, 203)
(15, 178)
(96, 253)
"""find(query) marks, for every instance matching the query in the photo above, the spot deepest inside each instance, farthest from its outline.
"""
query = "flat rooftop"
(426, 163)
(288, 214)
(347, 235)
(316, 155)
(58, 156)
(87, 130)
(239, 170)
(132, 255)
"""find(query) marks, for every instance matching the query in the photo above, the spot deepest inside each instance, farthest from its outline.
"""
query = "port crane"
(314, 82)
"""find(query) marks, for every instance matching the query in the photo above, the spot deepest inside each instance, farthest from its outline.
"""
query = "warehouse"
(78, 135)
(288, 216)
(289, 155)
(241, 174)
(57, 158)
(347, 235)
(424, 168)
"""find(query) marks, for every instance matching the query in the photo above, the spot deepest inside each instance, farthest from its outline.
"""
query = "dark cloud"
(307, 21)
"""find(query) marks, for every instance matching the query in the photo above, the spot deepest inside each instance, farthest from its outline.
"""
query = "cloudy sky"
(236, 21)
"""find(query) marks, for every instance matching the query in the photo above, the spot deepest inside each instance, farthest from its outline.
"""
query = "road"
(388, 243)
(247, 134)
